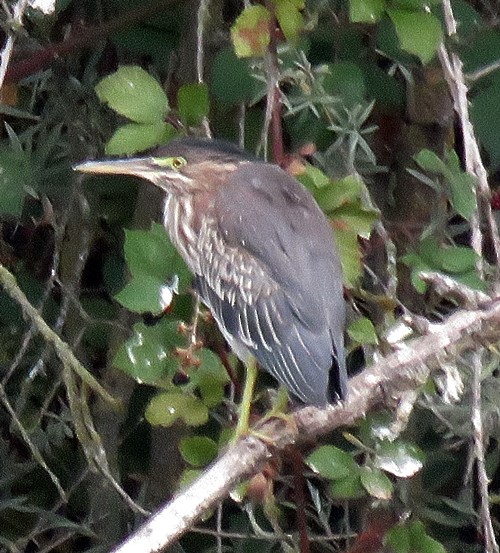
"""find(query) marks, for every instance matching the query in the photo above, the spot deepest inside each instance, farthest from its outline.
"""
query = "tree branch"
(453, 72)
(82, 38)
(405, 369)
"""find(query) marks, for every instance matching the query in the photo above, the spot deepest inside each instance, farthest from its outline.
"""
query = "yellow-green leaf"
(366, 11)
(251, 32)
(376, 483)
(289, 18)
(134, 93)
(419, 33)
(363, 331)
(136, 137)
(168, 407)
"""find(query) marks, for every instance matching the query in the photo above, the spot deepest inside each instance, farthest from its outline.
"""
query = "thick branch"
(406, 369)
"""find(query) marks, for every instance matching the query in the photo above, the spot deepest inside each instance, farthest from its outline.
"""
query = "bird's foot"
(278, 411)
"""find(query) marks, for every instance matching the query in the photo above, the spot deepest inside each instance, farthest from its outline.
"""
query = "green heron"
(263, 258)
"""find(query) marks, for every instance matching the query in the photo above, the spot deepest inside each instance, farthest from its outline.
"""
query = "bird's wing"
(273, 281)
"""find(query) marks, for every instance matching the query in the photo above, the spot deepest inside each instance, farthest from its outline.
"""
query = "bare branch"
(454, 76)
(406, 369)
(453, 73)
(449, 288)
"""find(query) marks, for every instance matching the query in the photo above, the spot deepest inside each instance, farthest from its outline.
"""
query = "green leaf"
(333, 463)
(366, 11)
(430, 251)
(363, 331)
(472, 280)
(150, 253)
(345, 81)
(463, 195)
(462, 185)
(313, 178)
(341, 200)
(376, 426)
(231, 80)
(350, 255)
(334, 193)
(347, 488)
(251, 32)
(400, 458)
(420, 541)
(15, 175)
(419, 33)
(430, 161)
(210, 378)
(147, 251)
(389, 43)
(458, 259)
(193, 103)
(146, 294)
(198, 450)
(485, 109)
(188, 476)
(168, 407)
(154, 264)
(376, 483)
(398, 539)
(134, 93)
(415, 5)
(149, 354)
(468, 21)
(137, 137)
(355, 217)
(289, 18)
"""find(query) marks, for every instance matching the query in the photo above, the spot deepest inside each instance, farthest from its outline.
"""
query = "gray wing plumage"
(281, 294)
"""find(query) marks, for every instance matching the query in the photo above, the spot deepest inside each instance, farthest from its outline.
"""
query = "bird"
(263, 257)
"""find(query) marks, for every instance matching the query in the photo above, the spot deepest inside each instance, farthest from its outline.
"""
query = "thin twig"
(491, 545)
(250, 535)
(63, 351)
(449, 288)
(483, 72)
(272, 120)
(203, 14)
(32, 447)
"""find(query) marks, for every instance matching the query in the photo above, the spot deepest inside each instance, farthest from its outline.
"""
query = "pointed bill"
(138, 167)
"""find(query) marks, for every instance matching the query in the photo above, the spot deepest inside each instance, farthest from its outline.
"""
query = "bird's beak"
(138, 167)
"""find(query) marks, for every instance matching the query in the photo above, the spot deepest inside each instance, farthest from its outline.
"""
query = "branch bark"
(405, 369)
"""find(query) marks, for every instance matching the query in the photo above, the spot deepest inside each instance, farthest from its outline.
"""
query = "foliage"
(368, 130)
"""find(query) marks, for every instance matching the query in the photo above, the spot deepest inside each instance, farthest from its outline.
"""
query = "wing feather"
(274, 283)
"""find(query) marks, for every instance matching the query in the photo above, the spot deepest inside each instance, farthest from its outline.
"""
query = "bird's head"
(182, 166)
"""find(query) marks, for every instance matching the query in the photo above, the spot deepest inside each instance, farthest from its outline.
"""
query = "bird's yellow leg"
(280, 405)
(280, 410)
(246, 401)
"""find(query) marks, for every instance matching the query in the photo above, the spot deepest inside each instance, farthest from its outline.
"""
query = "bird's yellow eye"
(172, 162)
(178, 162)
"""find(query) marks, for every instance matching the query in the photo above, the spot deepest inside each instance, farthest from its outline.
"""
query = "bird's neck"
(185, 218)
